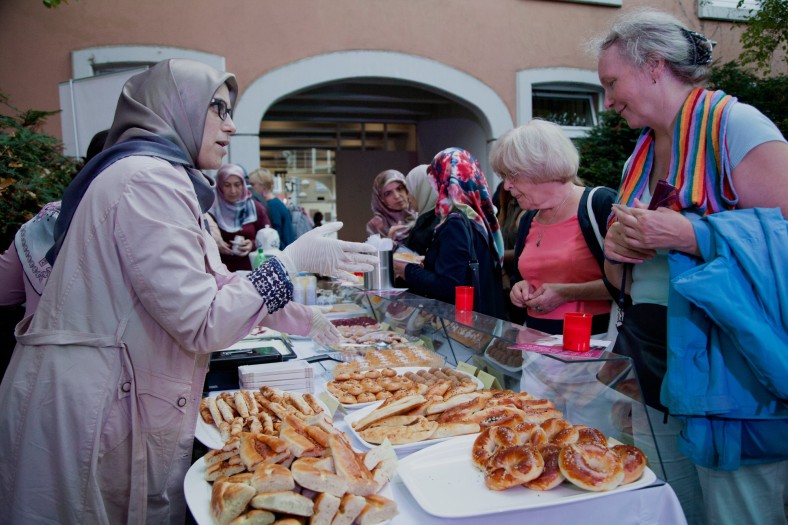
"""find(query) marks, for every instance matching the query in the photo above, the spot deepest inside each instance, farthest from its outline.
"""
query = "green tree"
(766, 34)
(33, 169)
(605, 149)
(769, 95)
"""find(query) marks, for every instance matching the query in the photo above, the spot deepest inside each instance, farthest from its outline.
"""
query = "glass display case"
(596, 388)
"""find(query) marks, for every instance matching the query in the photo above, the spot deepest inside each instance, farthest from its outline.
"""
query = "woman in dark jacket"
(467, 231)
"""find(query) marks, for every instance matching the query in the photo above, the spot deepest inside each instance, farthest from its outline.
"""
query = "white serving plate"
(445, 483)
(402, 370)
(209, 435)
(198, 493)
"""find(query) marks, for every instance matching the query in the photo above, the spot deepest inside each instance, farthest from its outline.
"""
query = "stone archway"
(277, 84)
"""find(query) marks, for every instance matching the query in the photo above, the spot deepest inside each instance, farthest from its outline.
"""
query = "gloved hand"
(313, 252)
(323, 332)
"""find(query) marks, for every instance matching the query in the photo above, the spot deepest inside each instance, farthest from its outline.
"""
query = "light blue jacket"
(727, 375)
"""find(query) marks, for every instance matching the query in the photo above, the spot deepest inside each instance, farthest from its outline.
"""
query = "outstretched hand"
(314, 252)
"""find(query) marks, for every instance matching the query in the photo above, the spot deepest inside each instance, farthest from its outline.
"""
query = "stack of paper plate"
(294, 376)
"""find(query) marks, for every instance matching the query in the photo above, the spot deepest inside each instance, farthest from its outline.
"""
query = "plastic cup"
(577, 331)
(463, 297)
(464, 317)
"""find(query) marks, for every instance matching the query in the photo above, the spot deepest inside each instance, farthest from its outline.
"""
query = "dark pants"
(643, 337)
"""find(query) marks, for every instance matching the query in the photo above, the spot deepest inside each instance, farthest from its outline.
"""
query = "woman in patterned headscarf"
(467, 231)
(236, 214)
(393, 216)
(99, 404)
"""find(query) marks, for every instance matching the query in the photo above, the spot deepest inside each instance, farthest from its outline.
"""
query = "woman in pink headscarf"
(236, 214)
(393, 215)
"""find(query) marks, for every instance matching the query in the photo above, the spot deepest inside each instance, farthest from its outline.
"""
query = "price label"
(486, 379)
(462, 366)
(331, 402)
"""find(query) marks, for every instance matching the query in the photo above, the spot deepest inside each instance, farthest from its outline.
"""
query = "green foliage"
(605, 149)
(33, 170)
(769, 95)
(766, 34)
(51, 4)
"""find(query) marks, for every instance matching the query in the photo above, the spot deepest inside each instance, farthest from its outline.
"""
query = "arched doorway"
(447, 107)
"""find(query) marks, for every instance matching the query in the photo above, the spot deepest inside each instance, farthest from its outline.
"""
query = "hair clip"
(701, 47)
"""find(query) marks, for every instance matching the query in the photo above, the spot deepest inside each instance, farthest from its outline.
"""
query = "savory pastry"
(377, 510)
(261, 448)
(551, 475)
(511, 466)
(318, 474)
(633, 461)
(229, 500)
(591, 467)
(349, 508)
(326, 507)
(287, 502)
(272, 477)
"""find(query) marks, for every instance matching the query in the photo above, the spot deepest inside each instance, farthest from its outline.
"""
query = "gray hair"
(539, 151)
(645, 35)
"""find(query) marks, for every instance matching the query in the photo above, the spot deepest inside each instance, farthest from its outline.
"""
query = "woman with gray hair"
(698, 236)
(99, 405)
(558, 253)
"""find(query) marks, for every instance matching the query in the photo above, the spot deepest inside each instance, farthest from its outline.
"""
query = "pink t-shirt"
(561, 257)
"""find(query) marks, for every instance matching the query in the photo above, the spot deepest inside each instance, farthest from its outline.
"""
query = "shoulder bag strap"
(473, 264)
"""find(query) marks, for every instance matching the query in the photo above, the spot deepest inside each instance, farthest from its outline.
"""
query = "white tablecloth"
(646, 506)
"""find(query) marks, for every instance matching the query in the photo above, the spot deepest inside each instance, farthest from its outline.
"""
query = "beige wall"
(489, 40)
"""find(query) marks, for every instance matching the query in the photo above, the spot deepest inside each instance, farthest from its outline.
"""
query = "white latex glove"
(313, 252)
(323, 332)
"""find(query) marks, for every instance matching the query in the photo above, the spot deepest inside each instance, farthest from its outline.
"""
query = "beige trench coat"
(99, 405)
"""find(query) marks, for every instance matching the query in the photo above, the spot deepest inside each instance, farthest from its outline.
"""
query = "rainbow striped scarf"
(699, 166)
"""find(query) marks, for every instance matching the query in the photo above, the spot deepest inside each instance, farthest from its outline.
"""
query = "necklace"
(552, 218)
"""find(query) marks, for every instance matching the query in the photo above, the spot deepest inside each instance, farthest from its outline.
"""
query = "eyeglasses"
(221, 108)
(664, 195)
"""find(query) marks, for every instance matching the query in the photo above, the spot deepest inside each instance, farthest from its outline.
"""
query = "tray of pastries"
(414, 421)
(358, 389)
(522, 466)
(307, 471)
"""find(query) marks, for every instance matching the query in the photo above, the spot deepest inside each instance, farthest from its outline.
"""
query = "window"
(613, 3)
(569, 97)
(726, 9)
(565, 107)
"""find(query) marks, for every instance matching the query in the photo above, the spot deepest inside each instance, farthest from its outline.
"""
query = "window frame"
(83, 60)
(708, 11)
(573, 81)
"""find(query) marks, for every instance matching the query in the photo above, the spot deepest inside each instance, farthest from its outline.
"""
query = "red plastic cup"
(464, 317)
(577, 331)
(463, 297)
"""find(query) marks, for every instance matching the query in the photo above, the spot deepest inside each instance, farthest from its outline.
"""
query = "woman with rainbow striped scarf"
(704, 268)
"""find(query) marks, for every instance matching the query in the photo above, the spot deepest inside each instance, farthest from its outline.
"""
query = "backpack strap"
(473, 263)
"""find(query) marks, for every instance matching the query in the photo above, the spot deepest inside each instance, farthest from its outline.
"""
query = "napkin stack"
(293, 376)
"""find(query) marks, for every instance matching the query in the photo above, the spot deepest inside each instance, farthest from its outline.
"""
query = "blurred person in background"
(238, 217)
(425, 197)
(262, 183)
(392, 213)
